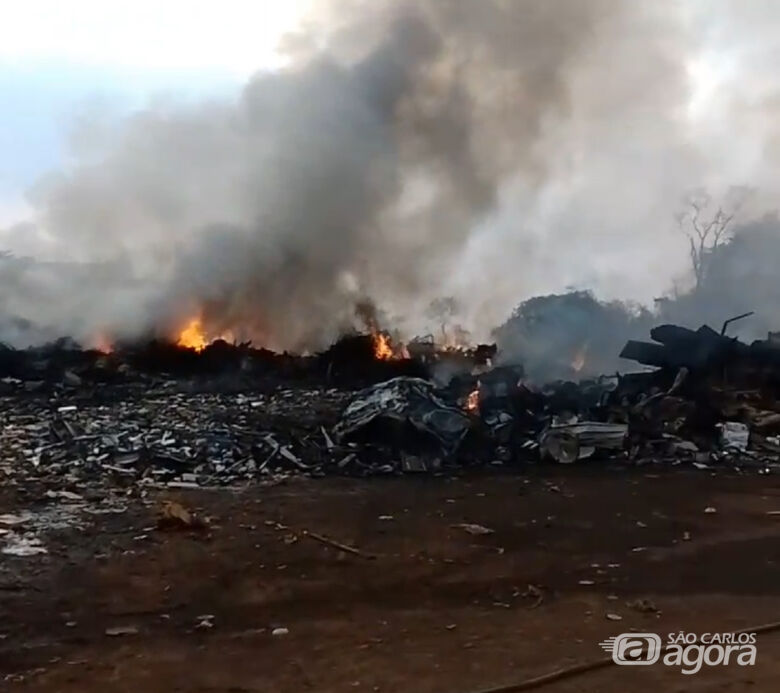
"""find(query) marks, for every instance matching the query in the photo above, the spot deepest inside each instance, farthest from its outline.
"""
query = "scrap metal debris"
(22, 546)
(474, 529)
(412, 401)
(116, 631)
(567, 443)
(80, 419)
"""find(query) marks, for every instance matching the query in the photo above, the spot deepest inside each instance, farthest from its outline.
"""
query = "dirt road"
(427, 607)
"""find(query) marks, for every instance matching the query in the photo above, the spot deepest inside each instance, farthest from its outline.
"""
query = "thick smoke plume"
(409, 150)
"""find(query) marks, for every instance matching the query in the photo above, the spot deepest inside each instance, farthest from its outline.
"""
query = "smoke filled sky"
(270, 164)
(60, 59)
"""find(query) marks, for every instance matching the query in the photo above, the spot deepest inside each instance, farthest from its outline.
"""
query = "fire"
(102, 344)
(578, 362)
(383, 350)
(472, 401)
(192, 336)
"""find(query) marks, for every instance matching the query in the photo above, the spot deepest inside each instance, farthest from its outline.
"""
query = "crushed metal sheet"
(411, 400)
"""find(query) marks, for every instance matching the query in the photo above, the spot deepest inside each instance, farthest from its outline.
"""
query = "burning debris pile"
(711, 400)
(138, 415)
(193, 413)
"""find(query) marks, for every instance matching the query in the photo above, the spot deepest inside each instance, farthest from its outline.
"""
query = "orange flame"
(578, 362)
(192, 336)
(383, 350)
(472, 401)
(102, 343)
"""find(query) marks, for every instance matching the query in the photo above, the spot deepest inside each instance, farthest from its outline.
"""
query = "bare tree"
(443, 310)
(706, 228)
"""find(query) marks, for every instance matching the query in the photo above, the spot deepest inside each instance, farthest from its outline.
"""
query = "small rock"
(473, 529)
(643, 606)
(279, 631)
(205, 621)
(121, 630)
(614, 617)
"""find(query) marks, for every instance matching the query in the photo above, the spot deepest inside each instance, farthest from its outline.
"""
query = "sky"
(606, 117)
(62, 59)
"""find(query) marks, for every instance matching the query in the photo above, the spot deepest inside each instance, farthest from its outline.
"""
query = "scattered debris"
(643, 606)
(567, 443)
(175, 516)
(117, 631)
(23, 546)
(64, 495)
(205, 622)
(160, 415)
(734, 435)
(535, 593)
(10, 519)
(475, 530)
(336, 545)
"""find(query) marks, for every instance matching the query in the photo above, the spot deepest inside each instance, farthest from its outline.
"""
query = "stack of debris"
(350, 362)
(711, 400)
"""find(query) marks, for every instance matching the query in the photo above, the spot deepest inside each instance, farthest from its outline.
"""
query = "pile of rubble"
(169, 437)
(712, 400)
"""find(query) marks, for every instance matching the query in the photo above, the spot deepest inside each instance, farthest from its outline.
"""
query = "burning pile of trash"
(710, 400)
(139, 416)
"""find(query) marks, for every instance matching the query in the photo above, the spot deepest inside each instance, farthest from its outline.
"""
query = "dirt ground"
(426, 607)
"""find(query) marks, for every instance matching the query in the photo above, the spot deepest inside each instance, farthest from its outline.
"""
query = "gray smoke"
(484, 150)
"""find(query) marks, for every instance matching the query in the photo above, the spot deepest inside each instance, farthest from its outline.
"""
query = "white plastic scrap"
(734, 435)
(10, 519)
(116, 631)
(18, 545)
(474, 529)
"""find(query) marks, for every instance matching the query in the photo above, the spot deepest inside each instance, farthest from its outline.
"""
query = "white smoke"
(410, 150)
